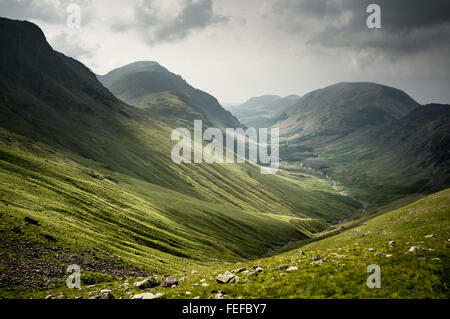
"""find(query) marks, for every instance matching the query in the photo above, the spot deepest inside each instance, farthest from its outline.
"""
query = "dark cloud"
(408, 26)
(156, 23)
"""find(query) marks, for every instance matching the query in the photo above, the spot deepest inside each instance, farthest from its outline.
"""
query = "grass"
(228, 213)
(344, 273)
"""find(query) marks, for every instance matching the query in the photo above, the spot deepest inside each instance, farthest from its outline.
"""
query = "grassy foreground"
(332, 267)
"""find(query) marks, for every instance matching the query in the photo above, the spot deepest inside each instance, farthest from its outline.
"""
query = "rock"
(182, 279)
(300, 252)
(205, 285)
(105, 291)
(259, 269)
(149, 282)
(61, 297)
(436, 258)
(196, 285)
(235, 279)
(194, 272)
(372, 249)
(429, 236)
(219, 295)
(252, 274)
(224, 278)
(292, 269)
(239, 270)
(169, 281)
(388, 256)
(107, 295)
(49, 297)
(203, 280)
(379, 255)
(282, 267)
(392, 243)
(148, 295)
(318, 257)
(197, 297)
(256, 266)
(415, 249)
(188, 293)
(31, 221)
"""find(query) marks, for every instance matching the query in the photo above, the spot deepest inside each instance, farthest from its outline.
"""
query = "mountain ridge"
(165, 95)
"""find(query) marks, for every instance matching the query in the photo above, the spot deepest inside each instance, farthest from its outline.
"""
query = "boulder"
(415, 249)
(239, 270)
(149, 282)
(225, 278)
(259, 269)
(169, 281)
(282, 267)
(292, 269)
(148, 295)
(317, 257)
(235, 279)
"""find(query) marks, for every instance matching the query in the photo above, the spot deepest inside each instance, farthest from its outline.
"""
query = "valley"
(87, 178)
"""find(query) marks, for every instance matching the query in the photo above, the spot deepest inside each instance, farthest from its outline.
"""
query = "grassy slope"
(343, 275)
(392, 161)
(91, 210)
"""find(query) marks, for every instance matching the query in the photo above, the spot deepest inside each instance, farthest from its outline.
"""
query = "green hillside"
(411, 155)
(97, 176)
(332, 265)
(166, 96)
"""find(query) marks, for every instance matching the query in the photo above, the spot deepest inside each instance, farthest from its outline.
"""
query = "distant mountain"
(166, 96)
(262, 111)
(342, 108)
(411, 155)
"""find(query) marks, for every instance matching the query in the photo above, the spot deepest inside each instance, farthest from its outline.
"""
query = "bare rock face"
(225, 278)
(149, 282)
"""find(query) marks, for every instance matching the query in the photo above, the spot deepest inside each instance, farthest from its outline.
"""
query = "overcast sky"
(236, 49)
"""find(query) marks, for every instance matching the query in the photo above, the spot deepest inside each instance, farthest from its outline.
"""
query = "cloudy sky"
(235, 49)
